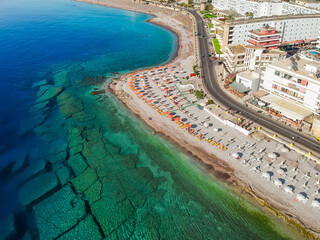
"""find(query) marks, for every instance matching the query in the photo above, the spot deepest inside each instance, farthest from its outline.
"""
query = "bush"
(199, 94)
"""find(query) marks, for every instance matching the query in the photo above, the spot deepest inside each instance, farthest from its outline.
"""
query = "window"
(277, 73)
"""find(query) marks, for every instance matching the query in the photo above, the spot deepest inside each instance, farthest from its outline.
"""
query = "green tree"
(198, 94)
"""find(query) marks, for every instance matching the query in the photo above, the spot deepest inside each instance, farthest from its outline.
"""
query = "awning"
(286, 108)
(239, 87)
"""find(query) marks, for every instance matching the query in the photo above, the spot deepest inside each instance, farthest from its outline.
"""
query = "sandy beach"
(256, 170)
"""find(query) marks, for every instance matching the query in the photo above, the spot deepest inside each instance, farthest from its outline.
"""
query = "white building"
(292, 27)
(249, 79)
(309, 4)
(239, 57)
(296, 84)
(262, 8)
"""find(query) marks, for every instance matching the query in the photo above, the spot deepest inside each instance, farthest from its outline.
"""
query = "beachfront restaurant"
(238, 89)
(287, 110)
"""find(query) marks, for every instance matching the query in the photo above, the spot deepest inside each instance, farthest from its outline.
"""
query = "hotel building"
(262, 8)
(294, 84)
(240, 58)
(290, 28)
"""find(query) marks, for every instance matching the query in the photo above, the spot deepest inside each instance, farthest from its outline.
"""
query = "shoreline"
(213, 164)
(223, 172)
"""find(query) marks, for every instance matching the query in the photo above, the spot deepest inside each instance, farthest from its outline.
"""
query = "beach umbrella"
(154, 68)
(139, 71)
(235, 155)
(206, 124)
(315, 203)
(170, 65)
(177, 119)
(187, 125)
(166, 113)
(149, 101)
(170, 116)
(277, 182)
(265, 175)
(288, 190)
(272, 155)
(216, 129)
(300, 197)
(284, 149)
(166, 89)
(161, 66)
(280, 171)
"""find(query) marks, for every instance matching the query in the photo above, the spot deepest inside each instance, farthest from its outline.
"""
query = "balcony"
(264, 38)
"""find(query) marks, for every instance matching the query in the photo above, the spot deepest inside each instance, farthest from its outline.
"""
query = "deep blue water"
(172, 195)
(38, 36)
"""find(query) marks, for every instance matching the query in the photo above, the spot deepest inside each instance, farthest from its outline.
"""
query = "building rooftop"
(287, 65)
(237, 49)
(250, 75)
(271, 18)
(259, 33)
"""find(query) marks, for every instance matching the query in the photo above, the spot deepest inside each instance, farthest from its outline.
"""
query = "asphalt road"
(212, 86)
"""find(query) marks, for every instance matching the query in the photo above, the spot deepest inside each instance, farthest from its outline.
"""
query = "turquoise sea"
(77, 166)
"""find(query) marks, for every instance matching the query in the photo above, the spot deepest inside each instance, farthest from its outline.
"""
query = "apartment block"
(290, 28)
(240, 58)
(263, 8)
(296, 81)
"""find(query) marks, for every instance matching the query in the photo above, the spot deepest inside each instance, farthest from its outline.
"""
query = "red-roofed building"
(266, 37)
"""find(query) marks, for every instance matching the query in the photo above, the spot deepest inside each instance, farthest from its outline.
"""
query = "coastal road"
(212, 86)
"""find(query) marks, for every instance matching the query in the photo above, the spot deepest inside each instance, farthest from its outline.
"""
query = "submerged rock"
(70, 106)
(33, 190)
(86, 229)
(63, 96)
(95, 153)
(85, 180)
(77, 164)
(64, 175)
(42, 90)
(58, 157)
(61, 79)
(27, 236)
(82, 117)
(38, 106)
(50, 93)
(31, 122)
(75, 136)
(7, 228)
(76, 149)
(20, 163)
(57, 214)
(39, 83)
(111, 215)
(33, 170)
(93, 193)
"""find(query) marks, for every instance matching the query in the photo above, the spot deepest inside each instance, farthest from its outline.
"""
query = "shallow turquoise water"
(130, 184)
